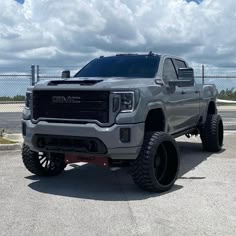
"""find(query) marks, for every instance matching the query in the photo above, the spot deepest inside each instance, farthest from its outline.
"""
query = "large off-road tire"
(43, 164)
(156, 168)
(212, 133)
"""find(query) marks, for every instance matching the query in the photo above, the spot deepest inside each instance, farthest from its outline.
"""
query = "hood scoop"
(80, 82)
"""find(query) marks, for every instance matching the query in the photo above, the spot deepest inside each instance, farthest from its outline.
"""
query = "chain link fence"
(12, 96)
(53, 72)
(13, 87)
(224, 78)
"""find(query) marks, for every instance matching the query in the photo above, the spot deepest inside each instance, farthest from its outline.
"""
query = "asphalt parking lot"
(89, 200)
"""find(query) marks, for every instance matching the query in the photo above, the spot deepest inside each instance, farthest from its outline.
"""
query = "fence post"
(32, 75)
(37, 73)
(203, 74)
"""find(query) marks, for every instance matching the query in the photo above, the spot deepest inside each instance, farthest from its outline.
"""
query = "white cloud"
(72, 32)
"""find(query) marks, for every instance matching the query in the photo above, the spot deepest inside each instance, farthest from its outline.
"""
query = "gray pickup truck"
(122, 110)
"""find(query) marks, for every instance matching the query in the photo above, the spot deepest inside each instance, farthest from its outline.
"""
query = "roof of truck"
(151, 54)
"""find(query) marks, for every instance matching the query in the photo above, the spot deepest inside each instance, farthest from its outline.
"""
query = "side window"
(179, 64)
(169, 72)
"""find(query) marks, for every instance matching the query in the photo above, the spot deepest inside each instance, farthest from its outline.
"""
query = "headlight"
(28, 99)
(128, 101)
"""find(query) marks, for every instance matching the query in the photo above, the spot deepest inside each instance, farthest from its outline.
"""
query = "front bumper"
(109, 136)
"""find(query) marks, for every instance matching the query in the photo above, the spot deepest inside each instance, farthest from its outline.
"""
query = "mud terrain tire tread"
(141, 169)
(212, 133)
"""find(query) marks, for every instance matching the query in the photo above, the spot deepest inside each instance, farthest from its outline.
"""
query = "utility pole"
(32, 75)
(37, 73)
(203, 74)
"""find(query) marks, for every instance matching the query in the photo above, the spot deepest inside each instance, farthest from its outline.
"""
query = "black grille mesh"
(88, 105)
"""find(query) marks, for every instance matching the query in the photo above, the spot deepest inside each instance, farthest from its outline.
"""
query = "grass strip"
(6, 141)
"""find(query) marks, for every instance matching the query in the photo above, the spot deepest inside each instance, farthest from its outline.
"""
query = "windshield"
(121, 66)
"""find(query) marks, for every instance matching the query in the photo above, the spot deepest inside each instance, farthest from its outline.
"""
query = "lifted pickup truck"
(122, 110)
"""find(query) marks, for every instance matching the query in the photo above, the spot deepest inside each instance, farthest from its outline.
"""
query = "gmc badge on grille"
(62, 99)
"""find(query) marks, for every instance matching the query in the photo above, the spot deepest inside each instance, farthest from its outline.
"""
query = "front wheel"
(156, 167)
(42, 164)
(212, 134)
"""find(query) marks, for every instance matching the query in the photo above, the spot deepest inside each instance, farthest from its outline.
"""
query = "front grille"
(67, 104)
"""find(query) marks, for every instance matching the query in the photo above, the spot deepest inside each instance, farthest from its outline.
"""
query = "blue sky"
(20, 1)
(73, 32)
(197, 1)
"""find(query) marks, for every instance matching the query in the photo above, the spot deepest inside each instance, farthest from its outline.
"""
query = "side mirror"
(65, 74)
(185, 78)
(187, 75)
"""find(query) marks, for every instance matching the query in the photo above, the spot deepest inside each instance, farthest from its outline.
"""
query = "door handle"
(197, 91)
(183, 92)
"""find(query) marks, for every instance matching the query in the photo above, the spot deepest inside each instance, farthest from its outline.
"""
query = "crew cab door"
(180, 104)
(190, 99)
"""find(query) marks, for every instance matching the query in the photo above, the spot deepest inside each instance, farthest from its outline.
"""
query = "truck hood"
(96, 83)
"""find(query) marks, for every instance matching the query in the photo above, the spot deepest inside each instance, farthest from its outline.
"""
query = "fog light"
(125, 135)
(41, 143)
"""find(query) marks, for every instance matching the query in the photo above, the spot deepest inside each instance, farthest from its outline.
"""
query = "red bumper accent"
(73, 158)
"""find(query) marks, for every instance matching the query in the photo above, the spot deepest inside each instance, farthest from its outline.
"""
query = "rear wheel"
(43, 164)
(157, 165)
(212, 134)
